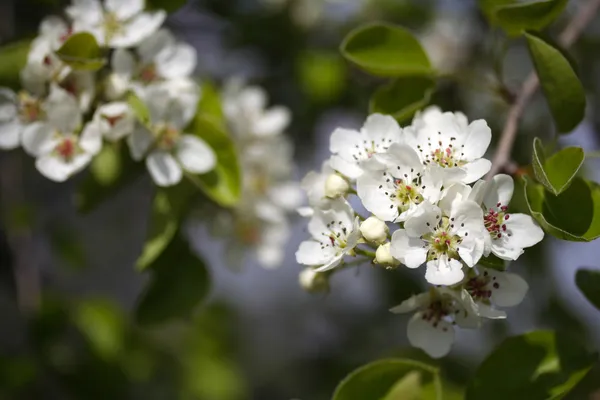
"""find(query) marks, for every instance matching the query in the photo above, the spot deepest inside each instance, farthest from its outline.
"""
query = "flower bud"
(383, 255)
(116, 86)
(374, 230)
(313, 281)
(336, 186)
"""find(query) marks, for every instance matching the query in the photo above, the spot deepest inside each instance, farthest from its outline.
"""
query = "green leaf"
(179, 282)
(210, 103)
(385, 50)
(559, 81)
(322, 75)
(489, 8)
(81, 52)
(389, 379)
(493, 262)
(573, 215)
(103, 325)
(223, 184)
(403, 97)
(110, 171)
(537, 365)
(556, 172)
(14, 58)
(167, 5)
(139, 108)
(534, 15)
(588, 281)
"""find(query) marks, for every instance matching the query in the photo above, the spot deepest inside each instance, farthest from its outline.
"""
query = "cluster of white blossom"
(260, 222)
(62, 115)
(424, 182)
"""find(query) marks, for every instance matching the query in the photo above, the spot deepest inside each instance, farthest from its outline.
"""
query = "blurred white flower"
(18, 113)
(115, 23)
(114, 120)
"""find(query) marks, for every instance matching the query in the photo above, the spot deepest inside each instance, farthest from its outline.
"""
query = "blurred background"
(259, 335)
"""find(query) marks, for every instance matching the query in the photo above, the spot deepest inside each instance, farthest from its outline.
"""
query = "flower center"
(70, 85)
(336, 237)
(403, 191)
(494, 221)
(113, 120)
(148, 73)
(66, 149)
(30, 109)
(479, 286)
(112, 25)
(443, 154)
(369, 148)
(442, 241)
(167, 137)
(63, 38)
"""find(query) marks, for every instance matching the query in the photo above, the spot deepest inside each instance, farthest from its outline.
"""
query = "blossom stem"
(366, 253)
(568, 36)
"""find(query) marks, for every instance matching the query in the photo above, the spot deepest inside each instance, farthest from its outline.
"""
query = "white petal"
(510, 291)
(343, 142)
(162, 41)
(124, 9)
(346, 168)
(123, 63)
(476, 169)
(373, 198)
(57, 169)
(115, 120)
(287, 195)
(306, 212)
(38, 139)
(499, 190)
(378, 127)
(163, 168)
(331, 264)
(470, 214)
(270, 256)
(181, 62)
(195, 155)
(479, 136)
(524, 232)
(423, 220)
(10, 135)
(139, 142)
(272, 122)
(444, 271)
(434, 338)
(412, 303)
(311, 252)
(138, 28)
(63, 110)
(404, 156)
(87, 11)
(408, 250)
(487, 311)
(8, 105)
(453, 195)
(91, 138)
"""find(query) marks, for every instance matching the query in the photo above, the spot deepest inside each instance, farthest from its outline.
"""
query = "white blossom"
(490, 288)
(394, 193)
(336, 186)
(313, 281)
(443, 241)
(354, 152)
(383, 255)
(18, 113)
(314, 186)
(335, 233)
(158, 57)
(374, 230)
(167, 149)
(114, 120)
(448, 140)
(247, 113)
(60, 152)
(431, 328)
(115, 23)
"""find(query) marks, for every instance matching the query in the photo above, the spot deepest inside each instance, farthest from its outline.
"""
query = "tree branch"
(584, 16)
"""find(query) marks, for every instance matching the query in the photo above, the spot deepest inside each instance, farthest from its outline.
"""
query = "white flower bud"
(116, 86)
(336, 186)
(374, 230)
(313, 281)
(383, 255)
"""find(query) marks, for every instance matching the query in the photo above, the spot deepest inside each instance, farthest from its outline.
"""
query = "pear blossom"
(442, 241)
(59, 151)
(490, 288)
(383, 256)
(509, 233)
(114, 120)
(448, 140)
(81, 85)
(394, 193)
(374, 230)
(431, 328)
(247, 114)
(314, 186)
(353, 152)
(158, 57)
(167, 149)
(115, 23)
(18, 113)
(335, 233)
(336, 186)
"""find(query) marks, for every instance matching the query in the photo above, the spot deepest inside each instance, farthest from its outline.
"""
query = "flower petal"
(91, 138)
(476, 169)
(498, 190)
(487, 311)
(57, 169)
(38, 139)
(477, 140)
(412, 303)
(124, 9)
(408, 250)
(10, 134)
(425, 217)
(311, 252)
(378, 127)
(163, 168)
(349, 169)
(195, 155)
(435, 338)
(272, 122)
(180, 63)
(331, 264)
(159, 43)
(344, 142)
(139, 142)
(8, 105)
(138, 28)
(444, 271)
(374, 198)
(508, 289)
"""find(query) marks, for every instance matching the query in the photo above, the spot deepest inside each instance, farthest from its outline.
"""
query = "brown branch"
(572, 31)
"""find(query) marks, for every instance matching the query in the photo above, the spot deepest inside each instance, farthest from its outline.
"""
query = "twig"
(572, 31)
